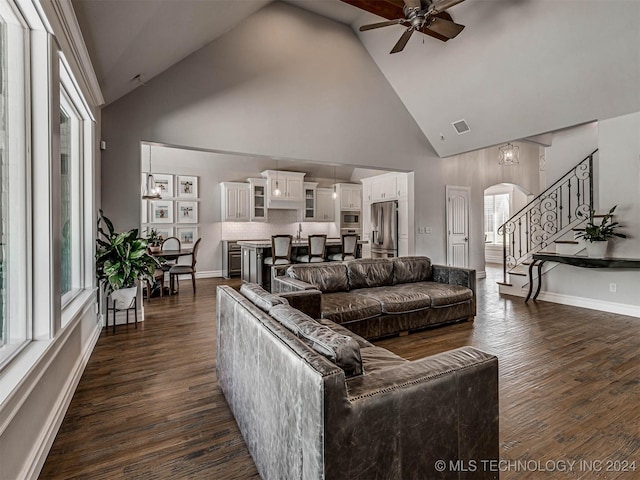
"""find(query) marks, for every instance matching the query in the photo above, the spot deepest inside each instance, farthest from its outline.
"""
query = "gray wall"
(285, 83)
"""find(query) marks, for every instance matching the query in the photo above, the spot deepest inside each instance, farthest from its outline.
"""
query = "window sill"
(21, 376)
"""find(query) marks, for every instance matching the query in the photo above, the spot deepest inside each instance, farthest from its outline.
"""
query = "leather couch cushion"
(342, 350)
(260, 297)
(370, 272)
(342, 307)
(411, 269)
(327, 277)
(443, 294)
(378, 358)
(398, 298)
(345, 331)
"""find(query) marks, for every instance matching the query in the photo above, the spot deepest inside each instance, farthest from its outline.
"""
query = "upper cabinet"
(258, 200)
(284, 189)
(384, 187)
(350, 196)
(308, 212)
(235, 201)
(325, 205)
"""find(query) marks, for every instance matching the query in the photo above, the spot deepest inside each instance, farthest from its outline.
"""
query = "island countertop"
(303, 242)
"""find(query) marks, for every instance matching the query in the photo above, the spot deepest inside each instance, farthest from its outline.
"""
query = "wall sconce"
(509, 154)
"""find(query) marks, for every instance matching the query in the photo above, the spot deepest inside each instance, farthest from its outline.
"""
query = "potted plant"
(121, 259)
(597, 236)
(154, 240)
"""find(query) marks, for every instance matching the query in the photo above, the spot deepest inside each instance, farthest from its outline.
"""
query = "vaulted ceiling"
(520, 68)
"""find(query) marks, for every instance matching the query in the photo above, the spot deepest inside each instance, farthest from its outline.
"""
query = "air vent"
(461, 126)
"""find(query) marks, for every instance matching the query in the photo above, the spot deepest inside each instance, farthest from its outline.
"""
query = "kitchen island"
(255, 251)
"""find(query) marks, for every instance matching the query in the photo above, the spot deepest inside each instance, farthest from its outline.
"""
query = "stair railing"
(549, 216)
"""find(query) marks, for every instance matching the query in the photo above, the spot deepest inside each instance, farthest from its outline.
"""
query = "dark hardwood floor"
(148, 406)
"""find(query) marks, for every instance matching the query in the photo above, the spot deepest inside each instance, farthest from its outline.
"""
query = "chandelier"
(509, 155)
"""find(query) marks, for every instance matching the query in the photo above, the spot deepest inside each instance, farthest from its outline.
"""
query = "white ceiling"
(520, 68)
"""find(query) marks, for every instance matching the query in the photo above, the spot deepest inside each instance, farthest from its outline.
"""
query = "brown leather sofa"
(381, 297)
(315, 401)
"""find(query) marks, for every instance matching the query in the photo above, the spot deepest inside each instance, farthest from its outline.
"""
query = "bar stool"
(317, 245)
(349, 245)
(280, 250)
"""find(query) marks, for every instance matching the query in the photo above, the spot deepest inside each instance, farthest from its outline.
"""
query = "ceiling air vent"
(461, 126)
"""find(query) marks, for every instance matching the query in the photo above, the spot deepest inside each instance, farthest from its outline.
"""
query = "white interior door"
(458, 226)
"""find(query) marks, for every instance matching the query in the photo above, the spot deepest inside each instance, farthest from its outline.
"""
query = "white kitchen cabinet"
(258, 200)
(384, 187)
(402, 184)
(289, 185)
(325, 205)
(366, 191)
(235, 201)
(309, 210)
(350, 196)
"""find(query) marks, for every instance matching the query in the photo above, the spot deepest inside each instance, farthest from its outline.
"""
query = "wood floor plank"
(148, 405)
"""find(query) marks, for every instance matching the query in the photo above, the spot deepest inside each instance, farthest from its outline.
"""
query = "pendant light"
(149, 189)
(277, 191)
(335, 194)
(509, 154)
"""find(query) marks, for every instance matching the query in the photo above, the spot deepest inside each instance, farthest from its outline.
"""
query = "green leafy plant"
(153, 238)
(121, 258)
(603, 231)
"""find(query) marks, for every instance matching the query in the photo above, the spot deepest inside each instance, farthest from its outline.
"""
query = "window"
(496, 212)
(15, 325)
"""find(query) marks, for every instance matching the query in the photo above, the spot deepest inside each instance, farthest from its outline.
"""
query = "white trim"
(602, 305)
(38, 456)
(481, 274)
(66, 18)
(203, 274)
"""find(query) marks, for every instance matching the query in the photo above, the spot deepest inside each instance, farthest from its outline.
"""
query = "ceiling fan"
(426, 16)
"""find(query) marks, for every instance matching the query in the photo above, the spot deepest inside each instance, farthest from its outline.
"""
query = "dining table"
(170, 255)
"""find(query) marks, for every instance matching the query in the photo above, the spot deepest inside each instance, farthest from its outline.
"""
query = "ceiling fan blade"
(371, 26)
(389, 9)
(442, 5)
(403, 40)
(445, 27)
(413, 4)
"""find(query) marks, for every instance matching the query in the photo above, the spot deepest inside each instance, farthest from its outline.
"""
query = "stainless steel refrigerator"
(384, 230)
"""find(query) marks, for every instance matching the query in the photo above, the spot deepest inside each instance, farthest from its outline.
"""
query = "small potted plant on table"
(154, 240)
(121, 260)
(597, 236)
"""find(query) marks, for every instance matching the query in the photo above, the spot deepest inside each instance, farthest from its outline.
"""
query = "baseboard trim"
(601, 305)
(481, 274)
(59, 410)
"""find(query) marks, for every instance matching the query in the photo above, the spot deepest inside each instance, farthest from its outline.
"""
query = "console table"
(539, 260)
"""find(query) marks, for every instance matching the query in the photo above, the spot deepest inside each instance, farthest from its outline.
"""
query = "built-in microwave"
(350, 219)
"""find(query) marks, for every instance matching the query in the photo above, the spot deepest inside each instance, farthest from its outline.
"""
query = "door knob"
(466, 239)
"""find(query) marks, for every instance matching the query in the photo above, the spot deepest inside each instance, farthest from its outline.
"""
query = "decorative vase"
(597, 249)
(124, 297)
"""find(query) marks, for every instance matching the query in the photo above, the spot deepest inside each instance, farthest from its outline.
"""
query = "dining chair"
(349, 245)
(317, 246)
(185, 265)
(170, 243)
(280, 250)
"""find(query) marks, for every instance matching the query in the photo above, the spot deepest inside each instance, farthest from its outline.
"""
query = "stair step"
(577, 229)
(505, 284)
(568, 242)
(519, 274)
(545, 252)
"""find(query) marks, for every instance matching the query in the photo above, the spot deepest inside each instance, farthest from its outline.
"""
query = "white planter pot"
(124, 297)
(597, 249)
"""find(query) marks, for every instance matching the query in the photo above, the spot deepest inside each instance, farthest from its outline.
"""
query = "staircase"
(548, 220)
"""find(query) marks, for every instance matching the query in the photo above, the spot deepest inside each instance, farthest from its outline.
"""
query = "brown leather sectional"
(313, 400)
(380, 297)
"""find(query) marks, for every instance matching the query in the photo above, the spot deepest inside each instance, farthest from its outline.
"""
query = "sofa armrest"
(307, 301)
(464, 277)
(288, 284)
(448, 402)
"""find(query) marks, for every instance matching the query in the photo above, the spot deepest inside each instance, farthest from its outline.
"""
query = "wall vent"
(461, 126)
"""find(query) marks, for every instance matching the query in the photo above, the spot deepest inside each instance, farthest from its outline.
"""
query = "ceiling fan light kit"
(426, 16)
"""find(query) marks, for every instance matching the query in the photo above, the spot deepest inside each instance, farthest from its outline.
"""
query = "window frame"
(493, 194)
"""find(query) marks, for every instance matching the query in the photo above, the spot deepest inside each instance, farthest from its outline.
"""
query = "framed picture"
(144, 211)
(187, 212)
(165, 183)
(161, 211)
(187, 236)
(164, 232)
(187, 186)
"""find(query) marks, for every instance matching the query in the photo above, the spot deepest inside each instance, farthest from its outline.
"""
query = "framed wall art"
(161, 211)
(187, 236)
(165, 183)
(187, 212)
(187, 186)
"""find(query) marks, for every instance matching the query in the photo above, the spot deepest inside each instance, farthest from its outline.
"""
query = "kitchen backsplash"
(280, 222)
